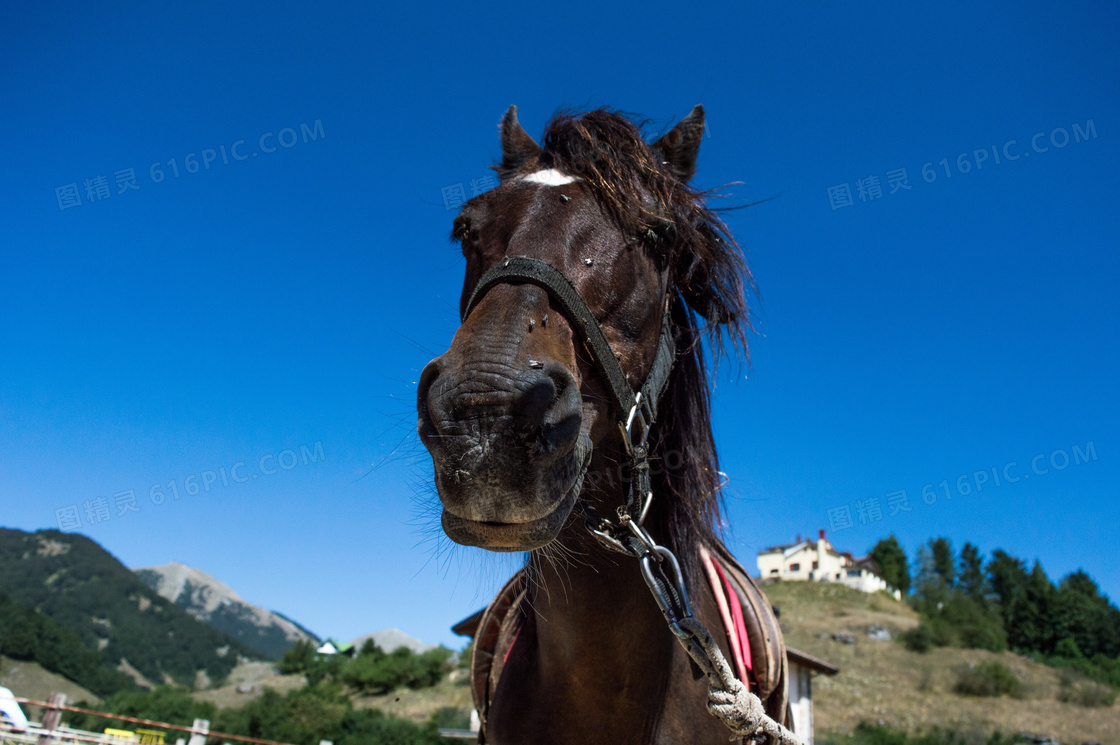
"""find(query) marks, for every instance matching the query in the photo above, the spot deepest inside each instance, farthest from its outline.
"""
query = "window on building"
(795, 567)
(816, 565)
(773, 571)
(855, 572)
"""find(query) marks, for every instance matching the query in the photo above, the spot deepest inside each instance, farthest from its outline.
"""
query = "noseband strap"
(631, 404)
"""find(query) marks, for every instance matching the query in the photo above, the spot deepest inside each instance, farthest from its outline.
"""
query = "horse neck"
(596, 620)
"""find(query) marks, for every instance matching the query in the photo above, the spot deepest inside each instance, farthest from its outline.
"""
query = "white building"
(819, 561)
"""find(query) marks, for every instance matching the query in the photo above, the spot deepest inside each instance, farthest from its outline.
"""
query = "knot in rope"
(729, 699)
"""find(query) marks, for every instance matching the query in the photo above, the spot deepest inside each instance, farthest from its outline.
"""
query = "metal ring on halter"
(609, 541)
(640, 533)
(642, 412)
(601, 528)
(672, 614)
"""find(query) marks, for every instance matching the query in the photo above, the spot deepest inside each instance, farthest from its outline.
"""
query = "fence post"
(52, 716)
(199, 730)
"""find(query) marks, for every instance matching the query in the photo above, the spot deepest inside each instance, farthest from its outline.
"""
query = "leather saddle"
(751, 635)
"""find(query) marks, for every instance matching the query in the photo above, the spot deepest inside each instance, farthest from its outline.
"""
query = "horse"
(576, 388)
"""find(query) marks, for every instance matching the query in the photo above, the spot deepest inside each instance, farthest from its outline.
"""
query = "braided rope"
(729, 700)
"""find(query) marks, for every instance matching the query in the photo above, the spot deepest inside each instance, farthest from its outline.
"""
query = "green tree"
(299, 658)
(889, 555)
(1008, 577)
(375, 672)
(1084, 615)
(954, 613)
(971, 579)
(941, 551)
(164, 704)
(1036, 613)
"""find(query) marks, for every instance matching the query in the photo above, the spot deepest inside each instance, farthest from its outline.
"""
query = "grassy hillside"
(72, 580)
(883, 681)
(249, 680)
(30, 680)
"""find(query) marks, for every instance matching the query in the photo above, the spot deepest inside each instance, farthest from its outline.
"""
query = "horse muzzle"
(509, 447)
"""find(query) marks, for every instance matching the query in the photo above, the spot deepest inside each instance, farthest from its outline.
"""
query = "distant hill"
(72, 580)
(390, 639)
(31, 680)
(883, 681)
(215, 603)
(35, 639)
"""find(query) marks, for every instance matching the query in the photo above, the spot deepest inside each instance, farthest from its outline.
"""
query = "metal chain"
(729, 699)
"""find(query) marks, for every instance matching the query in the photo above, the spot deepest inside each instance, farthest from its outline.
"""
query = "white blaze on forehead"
(550, 177)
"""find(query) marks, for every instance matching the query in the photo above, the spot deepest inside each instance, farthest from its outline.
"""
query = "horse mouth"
(525, 535)
(495, 536)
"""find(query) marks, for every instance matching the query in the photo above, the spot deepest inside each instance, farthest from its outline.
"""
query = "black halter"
(637, 409)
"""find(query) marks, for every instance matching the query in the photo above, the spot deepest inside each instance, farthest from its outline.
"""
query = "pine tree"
(942, 553)
(971, 579)
(889, 555)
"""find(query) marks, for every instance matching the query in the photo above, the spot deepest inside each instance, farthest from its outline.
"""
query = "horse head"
(515, 408)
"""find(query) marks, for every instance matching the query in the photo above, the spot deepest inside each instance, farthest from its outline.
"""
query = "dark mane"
(708, 278)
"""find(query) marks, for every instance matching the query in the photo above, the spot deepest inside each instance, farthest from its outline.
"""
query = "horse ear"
(518, 148)
(678, 148)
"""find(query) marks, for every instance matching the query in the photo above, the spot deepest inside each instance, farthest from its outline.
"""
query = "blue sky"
(288, 297)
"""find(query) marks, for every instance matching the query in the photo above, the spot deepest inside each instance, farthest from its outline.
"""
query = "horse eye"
(461, 229)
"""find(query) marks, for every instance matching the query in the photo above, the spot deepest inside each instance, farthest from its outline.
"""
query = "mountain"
(390, 639)
(72, 580)
(215, 603)
(33, 638)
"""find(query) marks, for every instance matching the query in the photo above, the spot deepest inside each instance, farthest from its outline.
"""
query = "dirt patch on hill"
(246, 682)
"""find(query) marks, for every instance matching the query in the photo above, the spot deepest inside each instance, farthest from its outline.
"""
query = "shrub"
(451, 717)
(918, 639)
(988, 679)
(1068, 649)
(164, 704)
(374, 672)
(1077, 689)
(983, 636)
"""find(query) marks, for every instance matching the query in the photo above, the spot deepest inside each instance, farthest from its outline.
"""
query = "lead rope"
(729, 699)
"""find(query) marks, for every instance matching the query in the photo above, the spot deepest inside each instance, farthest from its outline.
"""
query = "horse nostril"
(532, 405)
(556, 435)
(562, 422)
(425, 422)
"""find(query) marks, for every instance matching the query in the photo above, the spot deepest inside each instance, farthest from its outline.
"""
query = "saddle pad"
(494, 635)
(756, 642)
(765, 648)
